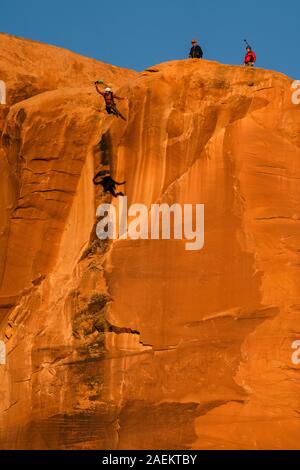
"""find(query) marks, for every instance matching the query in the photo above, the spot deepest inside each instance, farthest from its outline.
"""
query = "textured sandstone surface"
(29, 68)
(141, 344)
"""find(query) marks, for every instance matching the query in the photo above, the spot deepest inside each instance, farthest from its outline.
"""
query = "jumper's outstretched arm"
(96, 178)
(100, 92)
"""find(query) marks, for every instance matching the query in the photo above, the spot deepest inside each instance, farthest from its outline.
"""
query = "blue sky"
(140, 33)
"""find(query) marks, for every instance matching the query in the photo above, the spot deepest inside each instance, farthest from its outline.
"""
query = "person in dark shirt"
(108, 184)
(196, 52)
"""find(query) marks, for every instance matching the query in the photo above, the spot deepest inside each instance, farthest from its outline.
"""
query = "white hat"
(108, 90)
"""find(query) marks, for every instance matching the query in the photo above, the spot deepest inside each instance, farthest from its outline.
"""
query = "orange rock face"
(141, 344)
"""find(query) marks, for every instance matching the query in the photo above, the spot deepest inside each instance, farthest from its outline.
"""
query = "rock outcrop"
(29, 68)
(142, 344)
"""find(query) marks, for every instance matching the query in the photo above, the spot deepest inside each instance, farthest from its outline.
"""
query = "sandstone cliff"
(141, 344)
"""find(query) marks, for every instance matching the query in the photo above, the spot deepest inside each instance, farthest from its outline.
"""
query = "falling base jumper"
(109, 98)
(108, 183)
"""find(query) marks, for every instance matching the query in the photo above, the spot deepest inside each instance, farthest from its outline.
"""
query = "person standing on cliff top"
(109, 98)
(250, 57)
(196, 51)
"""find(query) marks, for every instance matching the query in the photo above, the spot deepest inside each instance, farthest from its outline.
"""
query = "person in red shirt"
(250, 57)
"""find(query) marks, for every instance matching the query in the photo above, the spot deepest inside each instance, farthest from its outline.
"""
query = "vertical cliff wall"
(142, 344)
